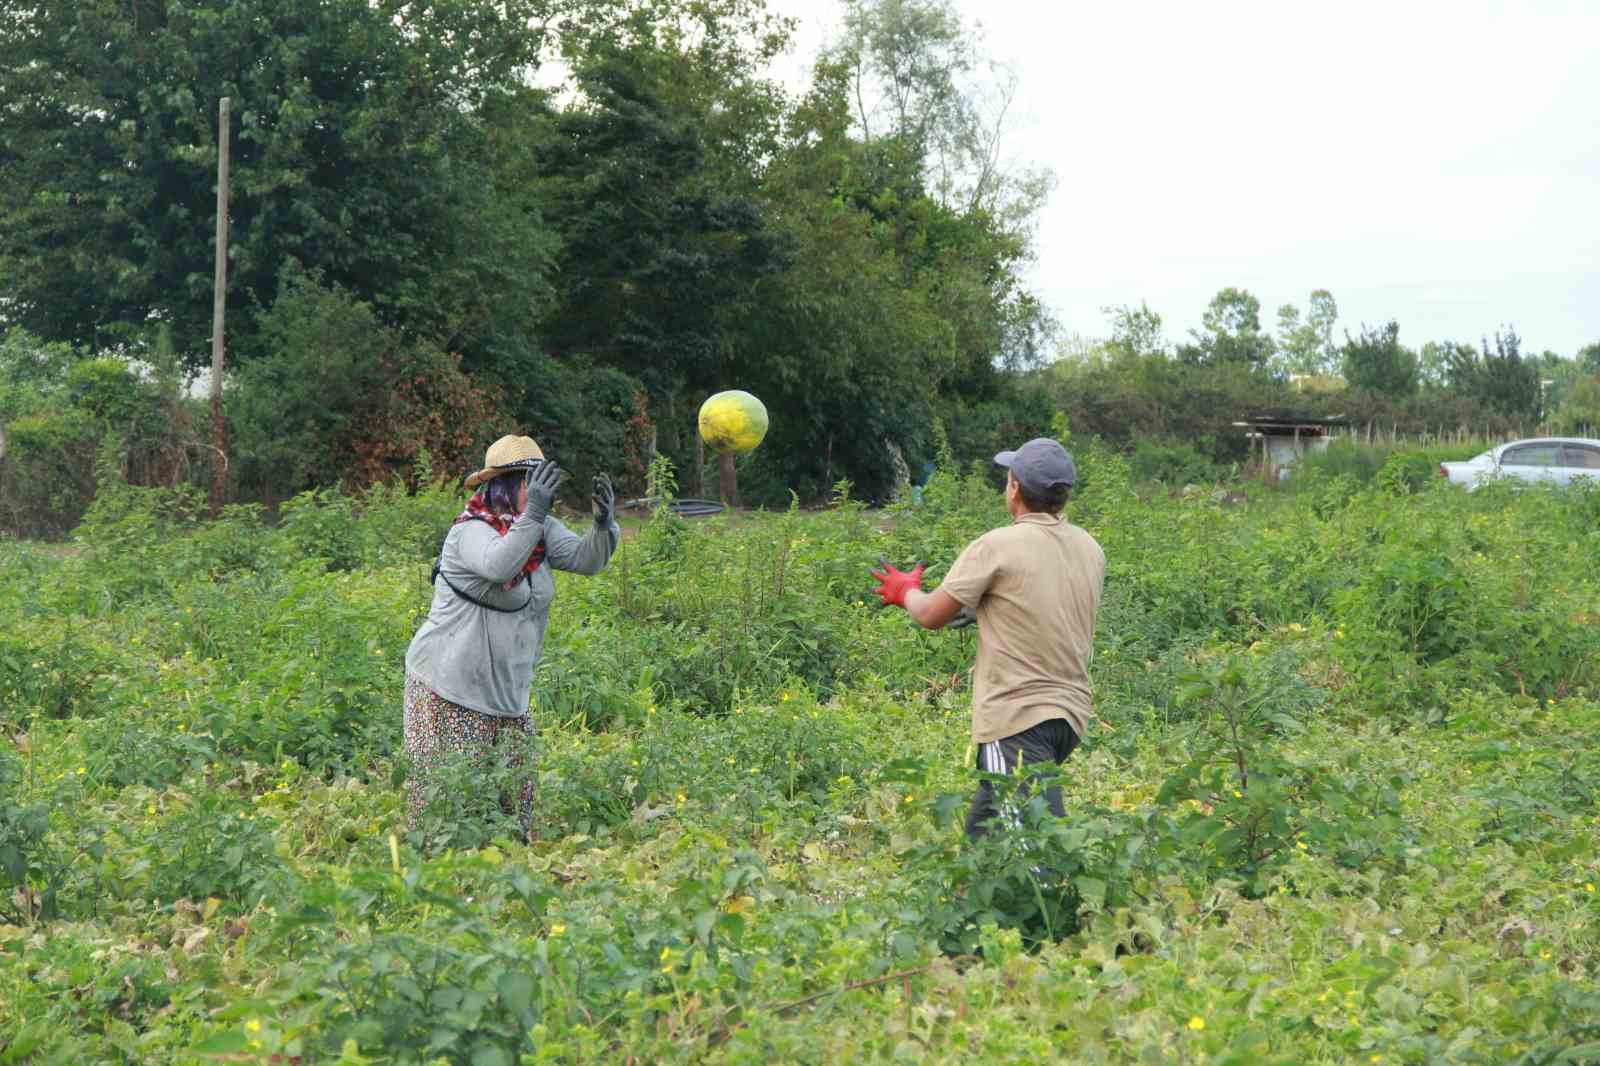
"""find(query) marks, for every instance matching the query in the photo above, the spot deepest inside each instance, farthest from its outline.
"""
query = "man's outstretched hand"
(894, 585)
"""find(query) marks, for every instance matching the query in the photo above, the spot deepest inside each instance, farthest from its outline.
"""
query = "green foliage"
(1396, 468)
(335, 397)
(213, 847)
(1230, 333)
(1173, 463)
(362, 147)
(1253, 803)
(1579, 413)
(743, 837)
(1166, 401)
(1306, 347)
(465, 801)
(1376, 362)
(23, 832)
(1501, 380)
(58, 407)
(1037, 878)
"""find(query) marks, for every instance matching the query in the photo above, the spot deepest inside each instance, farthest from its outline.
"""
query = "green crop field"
(1340, 808)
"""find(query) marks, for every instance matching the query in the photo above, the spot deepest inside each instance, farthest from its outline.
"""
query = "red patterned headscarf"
(478, 511)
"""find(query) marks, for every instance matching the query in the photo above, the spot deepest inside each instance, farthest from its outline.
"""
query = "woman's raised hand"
(542, 482)
(605, 499)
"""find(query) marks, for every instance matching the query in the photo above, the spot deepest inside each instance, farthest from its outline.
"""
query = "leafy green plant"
(1243, 804)
(465, 800)
(36, 862)
(212, 846)
(1032, 872)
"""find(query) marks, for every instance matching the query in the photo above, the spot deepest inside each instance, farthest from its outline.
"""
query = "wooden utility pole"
(219, 306)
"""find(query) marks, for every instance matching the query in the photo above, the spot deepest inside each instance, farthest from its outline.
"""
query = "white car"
(1554, 460)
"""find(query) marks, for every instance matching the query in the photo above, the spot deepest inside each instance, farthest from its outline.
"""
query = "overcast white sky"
(1434, 161)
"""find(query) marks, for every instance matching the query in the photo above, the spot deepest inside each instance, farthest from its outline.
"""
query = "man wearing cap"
(1034, 587)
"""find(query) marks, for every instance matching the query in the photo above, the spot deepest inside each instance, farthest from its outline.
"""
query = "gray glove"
(604, 500)
(542, 482)
(964, 618)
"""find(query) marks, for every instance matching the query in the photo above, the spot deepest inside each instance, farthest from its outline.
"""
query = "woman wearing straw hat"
(470, 666)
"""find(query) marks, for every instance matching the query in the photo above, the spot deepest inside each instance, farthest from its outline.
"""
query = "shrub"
(1242, 803)
(213, 847)
(1173, 463)
(1037, 875)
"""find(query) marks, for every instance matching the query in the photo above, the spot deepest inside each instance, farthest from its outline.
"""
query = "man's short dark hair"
(1050, 503)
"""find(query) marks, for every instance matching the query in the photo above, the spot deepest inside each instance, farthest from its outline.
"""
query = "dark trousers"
(1048, 742)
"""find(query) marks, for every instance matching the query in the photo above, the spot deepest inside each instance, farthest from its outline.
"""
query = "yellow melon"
(733, 422)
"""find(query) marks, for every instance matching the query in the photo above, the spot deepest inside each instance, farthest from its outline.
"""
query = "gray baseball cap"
(1041, 466)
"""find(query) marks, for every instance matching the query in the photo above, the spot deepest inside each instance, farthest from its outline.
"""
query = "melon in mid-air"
(733, 422)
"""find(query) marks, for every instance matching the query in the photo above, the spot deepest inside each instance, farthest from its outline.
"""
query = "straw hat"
(504, 455)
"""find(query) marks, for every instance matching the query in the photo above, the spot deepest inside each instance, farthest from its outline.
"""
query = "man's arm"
(932, 610)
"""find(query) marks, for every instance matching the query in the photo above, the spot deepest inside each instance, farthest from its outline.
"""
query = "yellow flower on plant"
(1197, 1023)
(253, 1025)
(558, 929)
(83, 770)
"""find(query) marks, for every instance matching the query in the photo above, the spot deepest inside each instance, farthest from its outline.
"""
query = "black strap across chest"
(438, 574)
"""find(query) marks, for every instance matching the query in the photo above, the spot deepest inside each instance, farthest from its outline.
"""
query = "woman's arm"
(496, 558)
(588, 554)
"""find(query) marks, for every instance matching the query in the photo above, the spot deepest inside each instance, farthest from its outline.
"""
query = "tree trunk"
(729, 479)
(699, 466)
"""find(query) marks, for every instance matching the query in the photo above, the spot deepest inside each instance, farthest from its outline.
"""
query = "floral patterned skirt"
(437, 730)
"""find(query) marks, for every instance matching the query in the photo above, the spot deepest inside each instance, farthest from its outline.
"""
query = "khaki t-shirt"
(1036, 586)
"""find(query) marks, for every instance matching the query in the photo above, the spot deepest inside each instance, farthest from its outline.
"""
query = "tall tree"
(918, 75)
(1375, 360)
(361, 152)
(1230, 333)
(658, 250)
(1306, 346)
(1499, 380)
(1135, 332)
(1589, 357)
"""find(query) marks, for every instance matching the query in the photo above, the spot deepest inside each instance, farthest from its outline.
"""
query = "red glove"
(893, 585)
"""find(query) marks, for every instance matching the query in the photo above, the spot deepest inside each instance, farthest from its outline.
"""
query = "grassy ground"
(744, 851)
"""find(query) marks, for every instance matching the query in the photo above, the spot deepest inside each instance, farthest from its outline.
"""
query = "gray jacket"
(483, 659)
